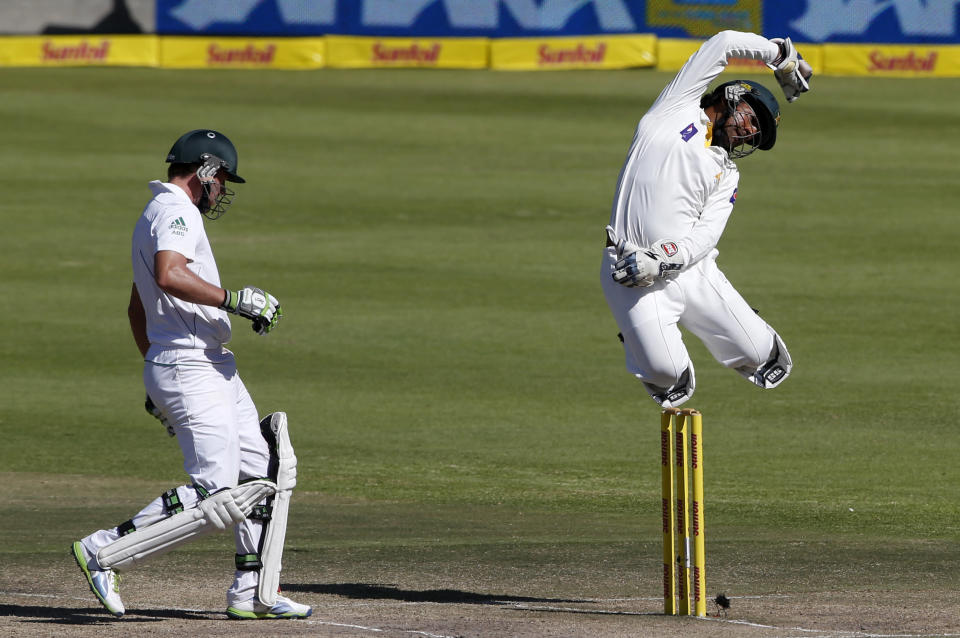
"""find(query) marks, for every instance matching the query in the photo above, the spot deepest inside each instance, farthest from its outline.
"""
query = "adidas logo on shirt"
(179, 227)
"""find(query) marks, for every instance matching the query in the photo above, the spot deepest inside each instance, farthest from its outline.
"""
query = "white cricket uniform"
(675, 185)
(192, 377)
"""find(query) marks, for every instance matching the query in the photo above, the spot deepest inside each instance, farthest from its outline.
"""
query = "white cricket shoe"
(104, 584)
(253, 609)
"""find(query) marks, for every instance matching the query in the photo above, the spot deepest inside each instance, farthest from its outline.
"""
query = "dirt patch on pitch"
(392, 582)
(169, 601)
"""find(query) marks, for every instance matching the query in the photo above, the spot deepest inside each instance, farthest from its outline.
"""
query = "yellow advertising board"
(79, 50)
(674, 53)
(889, 60)
(347, 52)
(587, 52)
(241, 53)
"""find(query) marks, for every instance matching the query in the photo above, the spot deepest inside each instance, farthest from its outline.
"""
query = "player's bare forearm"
(174, 278)
(138, 321)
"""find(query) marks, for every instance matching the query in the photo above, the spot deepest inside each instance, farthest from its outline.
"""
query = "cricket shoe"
(253, 609)
(105, 584)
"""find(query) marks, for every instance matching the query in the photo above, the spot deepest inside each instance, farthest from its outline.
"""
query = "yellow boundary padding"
(587, 52)
(241, 53)
(347, 52)
(79, 50)
(890, 60)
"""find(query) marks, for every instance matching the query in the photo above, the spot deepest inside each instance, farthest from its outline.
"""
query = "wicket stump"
(681, 455)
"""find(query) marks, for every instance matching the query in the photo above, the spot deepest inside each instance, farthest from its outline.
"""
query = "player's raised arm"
(712, 58)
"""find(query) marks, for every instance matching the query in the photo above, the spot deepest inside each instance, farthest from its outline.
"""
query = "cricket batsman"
(241, 469)
(676, 190)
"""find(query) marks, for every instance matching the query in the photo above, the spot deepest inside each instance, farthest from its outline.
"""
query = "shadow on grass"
(392, 592)
(94, 616)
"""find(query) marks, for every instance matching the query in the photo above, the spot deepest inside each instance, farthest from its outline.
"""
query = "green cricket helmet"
(198, 145)
(763, 103)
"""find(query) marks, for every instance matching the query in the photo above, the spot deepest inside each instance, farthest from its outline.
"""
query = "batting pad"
(283, 469)
(216, 513)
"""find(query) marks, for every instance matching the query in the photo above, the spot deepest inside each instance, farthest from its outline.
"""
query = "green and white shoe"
(105, 584)
(253, 609)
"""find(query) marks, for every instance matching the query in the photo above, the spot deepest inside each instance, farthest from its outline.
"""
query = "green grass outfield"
(454, 384)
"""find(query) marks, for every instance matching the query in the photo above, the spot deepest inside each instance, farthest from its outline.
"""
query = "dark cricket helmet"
(197, 145)
(762, 102)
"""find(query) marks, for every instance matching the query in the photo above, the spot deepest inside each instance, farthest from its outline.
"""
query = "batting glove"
(154, 411)
(210, 167)
(792, 71)
(260, 307)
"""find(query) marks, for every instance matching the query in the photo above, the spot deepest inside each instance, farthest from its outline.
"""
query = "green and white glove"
(258, 306)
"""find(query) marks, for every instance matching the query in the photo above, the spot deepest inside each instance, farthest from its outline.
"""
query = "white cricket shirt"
(170, 221)
(674, 184)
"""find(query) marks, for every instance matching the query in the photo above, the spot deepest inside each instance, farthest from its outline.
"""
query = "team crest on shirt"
(669, 248)
(733, 198)
(688, 132)
(178, 227)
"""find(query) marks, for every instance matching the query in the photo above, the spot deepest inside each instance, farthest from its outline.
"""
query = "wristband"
(230, 300)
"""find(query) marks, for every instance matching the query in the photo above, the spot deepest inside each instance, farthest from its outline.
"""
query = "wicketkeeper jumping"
(676, 191)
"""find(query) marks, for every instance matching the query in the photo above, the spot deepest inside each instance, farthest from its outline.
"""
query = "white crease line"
(373, 629)
(340, 624)
(308, 621)
(582, 610)
(646, 598)
(823, 633)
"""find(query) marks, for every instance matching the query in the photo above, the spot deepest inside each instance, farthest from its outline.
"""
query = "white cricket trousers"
(218, 431)
(701, 300)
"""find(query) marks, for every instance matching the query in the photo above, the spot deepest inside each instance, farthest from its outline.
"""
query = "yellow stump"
(683, 511)
(669, 519)
(699, 549)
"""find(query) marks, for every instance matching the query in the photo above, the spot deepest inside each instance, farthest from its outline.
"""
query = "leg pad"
(215, 513)
(283, 470)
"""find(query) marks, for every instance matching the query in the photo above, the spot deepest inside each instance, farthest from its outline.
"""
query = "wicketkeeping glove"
(792, 71)
(260, 307)
(667, 254)
(154, 411)
(634, 268)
